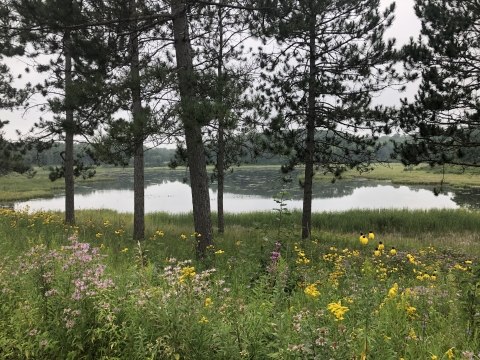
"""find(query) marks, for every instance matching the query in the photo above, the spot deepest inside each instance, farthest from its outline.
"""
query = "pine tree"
(331, 60)
(71, 90)
(443, 121)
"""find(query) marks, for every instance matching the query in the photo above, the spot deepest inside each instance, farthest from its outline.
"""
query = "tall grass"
(90, 292)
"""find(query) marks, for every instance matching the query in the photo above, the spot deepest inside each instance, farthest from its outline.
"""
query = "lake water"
(247, 190)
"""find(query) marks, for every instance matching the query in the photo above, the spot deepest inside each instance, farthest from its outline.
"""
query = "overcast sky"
(406, 25)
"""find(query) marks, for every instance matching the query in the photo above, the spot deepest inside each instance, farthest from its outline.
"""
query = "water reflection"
(247, 190)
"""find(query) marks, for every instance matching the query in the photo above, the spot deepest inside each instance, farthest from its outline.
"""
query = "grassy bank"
(15, 187)
(91, 292)
(415, 175)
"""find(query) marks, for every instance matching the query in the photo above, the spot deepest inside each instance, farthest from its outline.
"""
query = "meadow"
(90, 292)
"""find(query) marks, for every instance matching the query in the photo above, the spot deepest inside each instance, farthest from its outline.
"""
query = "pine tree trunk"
(309, 142)
(69, 132)
(220, 176)
(138, 161)
(221, 140)
(193, 132)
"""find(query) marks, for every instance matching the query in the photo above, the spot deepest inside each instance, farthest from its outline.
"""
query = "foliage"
(87, 291)
(443, 118)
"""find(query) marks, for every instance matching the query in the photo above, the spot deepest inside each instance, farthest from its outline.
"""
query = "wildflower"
(208, 302)
(468, 262)
(99, 235)
(361, 236)
(371, 235)
(238, 243)
(159, 233)
(125, 250)
(393, 291)
(203, 320)
(393, 251)
(434, 357)
(381, 247)
(274, 255)
(33, 332)
(411, 311)
(311, 290)
(219, 252)
(43, 342)
(363, 240)
(376, 252)
(183, 236)
(187, 272)
(449, 353)
(338, 310)
(102, 246)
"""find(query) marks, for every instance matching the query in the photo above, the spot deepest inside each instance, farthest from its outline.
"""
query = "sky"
(405, 26)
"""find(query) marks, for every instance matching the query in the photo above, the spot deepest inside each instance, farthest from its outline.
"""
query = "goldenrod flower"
(393, 291)
(371, 235)
(338, 310)
(311, 290)
(187, 272)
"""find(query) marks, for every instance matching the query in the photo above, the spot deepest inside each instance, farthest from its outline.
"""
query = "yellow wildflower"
(99, 235)
(159, 233)
(183, 236)
(371, 235)
(311, 290)
(364, 240)
(393, 291)
(434, 357)
(203, 320)
(381, 247)
(125, 250)
(449, 353)
(208, 302)
(219, 252)
(187, 272)
(338, 310)
(393, 251)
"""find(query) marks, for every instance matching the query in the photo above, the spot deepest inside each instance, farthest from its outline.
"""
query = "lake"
(253, 190)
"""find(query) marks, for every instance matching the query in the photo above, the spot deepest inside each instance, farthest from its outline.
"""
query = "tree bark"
(193, 132)
(310, 140)
(69, 133)
(138, 160)
(221, 140)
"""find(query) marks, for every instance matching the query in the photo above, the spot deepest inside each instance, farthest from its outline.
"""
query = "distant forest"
(160, 157)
